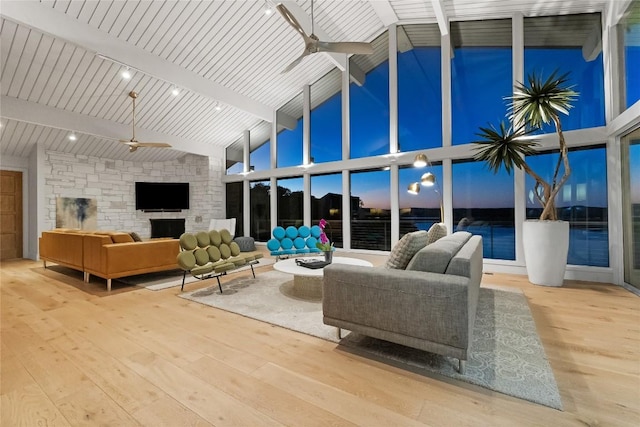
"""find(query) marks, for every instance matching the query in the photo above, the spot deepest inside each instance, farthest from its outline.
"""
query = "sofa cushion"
(405, 249)
(435, 257)
(436, 232)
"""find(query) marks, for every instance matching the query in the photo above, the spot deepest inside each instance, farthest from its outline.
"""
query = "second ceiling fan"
(313, 45)
(133, 143)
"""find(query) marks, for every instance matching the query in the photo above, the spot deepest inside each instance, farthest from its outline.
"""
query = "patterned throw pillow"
(405, 249)
(135, 236)
(437, 231)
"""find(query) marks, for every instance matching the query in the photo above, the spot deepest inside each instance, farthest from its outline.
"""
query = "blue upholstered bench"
(294, 241)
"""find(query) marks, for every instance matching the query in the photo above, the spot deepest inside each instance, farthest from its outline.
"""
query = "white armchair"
(224, 224)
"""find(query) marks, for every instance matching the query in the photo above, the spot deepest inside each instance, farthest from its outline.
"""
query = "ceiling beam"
(441, 16)
(38, 114)
(59, 25)
(385, 12)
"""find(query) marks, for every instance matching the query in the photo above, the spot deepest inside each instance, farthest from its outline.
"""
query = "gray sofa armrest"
(416, 304)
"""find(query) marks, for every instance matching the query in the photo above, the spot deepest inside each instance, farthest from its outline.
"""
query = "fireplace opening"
(167, 227)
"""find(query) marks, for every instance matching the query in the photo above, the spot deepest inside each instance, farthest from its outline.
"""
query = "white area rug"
(170, 279)
(506, 355)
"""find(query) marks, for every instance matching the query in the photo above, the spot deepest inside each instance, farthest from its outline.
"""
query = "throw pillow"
(405, 249)
(121, 238)
(135, 236)
(437, 231)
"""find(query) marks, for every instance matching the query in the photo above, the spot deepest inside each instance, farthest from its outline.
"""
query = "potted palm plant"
(539, 102)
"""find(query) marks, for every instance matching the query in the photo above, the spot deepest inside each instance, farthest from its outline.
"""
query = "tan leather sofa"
(107, 254)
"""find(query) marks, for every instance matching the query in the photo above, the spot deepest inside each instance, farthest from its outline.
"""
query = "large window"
(630, 27)
(369, 102)
(326, 203)
(419, 211)
(370, 214)
(480, 75)
(235, 205)
(483, 204)
(576, 49)
(290, 135)
(419, 87)
(290, 202)
(259, 140)
(326, 118)
(582, 201)
(260, 210)
(233, 154)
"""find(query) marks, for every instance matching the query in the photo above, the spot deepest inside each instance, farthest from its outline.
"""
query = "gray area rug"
(507, 355)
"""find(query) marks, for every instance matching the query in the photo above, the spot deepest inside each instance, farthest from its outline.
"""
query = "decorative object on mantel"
(76, 212)
(323, 243)
(546, 241)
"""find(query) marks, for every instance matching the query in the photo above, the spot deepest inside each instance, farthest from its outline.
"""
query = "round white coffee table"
(307, 282)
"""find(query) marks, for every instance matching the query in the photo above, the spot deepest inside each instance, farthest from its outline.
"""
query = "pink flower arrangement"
(324, 244)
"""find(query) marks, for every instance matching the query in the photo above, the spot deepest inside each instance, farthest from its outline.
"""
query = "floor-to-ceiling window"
(631, 206)
(290, 138)
(369, 102)
(233, 155)
(419, 87)
(290, 202)
(419, 211)
(483, 204)
(326, 118)
(575, 50)
(326, 203)
(235, 205)
(480, 75)
(370, 210)
(630, 29)
(260, 210)
(582, 201)
(260, 143)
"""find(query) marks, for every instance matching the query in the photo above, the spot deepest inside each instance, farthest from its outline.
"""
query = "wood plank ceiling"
(52, 86)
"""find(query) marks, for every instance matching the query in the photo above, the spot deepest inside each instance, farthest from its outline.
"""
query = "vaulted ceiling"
(61, 64)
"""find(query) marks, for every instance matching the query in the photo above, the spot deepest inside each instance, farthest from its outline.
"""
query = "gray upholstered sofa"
(429, 305)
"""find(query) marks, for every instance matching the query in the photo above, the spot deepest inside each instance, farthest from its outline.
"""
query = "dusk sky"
(477, 97)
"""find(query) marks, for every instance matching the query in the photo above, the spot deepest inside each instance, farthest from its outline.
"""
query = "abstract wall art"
(76, 212)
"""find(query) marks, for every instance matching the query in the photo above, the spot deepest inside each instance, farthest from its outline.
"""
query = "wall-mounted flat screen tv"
(162, 196)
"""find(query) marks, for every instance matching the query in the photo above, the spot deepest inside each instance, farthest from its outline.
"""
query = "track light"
(126, 74)
(72, 137)
(175, 91)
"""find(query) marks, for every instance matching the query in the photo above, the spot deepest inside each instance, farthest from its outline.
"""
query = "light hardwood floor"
(73, 354)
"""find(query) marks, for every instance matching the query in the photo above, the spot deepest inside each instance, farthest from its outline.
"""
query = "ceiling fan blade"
(359, 48)
(296, 62)
(153, 144)
(288, 16)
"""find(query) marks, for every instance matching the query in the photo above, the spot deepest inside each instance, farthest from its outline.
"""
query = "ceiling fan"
(133, 143)
(313, 45)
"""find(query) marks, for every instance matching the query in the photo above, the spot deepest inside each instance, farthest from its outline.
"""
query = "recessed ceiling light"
(268, 11)
(175, 91)
(126, 74)
(217, 107)
(73, 137)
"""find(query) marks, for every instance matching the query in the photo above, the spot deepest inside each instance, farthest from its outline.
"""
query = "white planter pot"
(546, 245)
